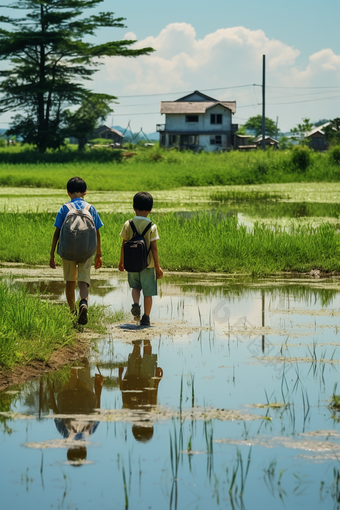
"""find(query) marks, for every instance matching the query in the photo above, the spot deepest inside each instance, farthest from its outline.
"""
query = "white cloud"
(225, 58)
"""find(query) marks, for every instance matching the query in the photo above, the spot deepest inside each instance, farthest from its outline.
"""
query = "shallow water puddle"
(225, 398)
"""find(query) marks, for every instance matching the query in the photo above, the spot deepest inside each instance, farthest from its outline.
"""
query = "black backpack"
(136, 251)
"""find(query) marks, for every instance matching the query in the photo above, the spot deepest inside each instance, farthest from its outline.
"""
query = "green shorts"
(145, 281)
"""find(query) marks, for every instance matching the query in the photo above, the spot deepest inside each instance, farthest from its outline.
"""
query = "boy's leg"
(136, 295)
(149, 286)
(147, 305)
(83, 290)
(71, 295)
(84, 270)
(134, 282)
(70, 277)
(135, 308)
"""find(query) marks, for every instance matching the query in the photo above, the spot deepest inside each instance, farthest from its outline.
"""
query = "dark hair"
(143, 201)
(76, 185)
(142, 434)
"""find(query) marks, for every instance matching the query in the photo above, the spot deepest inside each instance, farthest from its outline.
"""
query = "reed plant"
(203, 242)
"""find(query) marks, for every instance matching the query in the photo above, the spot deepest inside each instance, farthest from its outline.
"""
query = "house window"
(216, 118)
(173, 139)
(216, 140)
(191, 118)
(189, 140)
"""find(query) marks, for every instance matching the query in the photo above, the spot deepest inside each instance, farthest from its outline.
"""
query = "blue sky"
(219, 45)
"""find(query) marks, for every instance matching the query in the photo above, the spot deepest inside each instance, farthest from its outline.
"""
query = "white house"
(197, 121)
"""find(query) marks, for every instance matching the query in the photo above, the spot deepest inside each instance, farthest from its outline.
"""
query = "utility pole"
(264, 102)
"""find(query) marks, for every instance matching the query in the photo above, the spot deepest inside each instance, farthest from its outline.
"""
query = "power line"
(307, 100)
(190, 91)
(330, 87)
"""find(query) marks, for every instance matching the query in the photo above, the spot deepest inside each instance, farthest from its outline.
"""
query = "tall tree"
(255, 124)
(300, 133)
(82, 123)
(50, 59)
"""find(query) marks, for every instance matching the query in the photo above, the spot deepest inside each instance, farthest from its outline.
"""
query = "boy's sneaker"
(135, 310)
(82, 319)
(145, 320)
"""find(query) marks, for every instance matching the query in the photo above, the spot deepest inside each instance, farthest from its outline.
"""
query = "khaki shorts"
(77, 271)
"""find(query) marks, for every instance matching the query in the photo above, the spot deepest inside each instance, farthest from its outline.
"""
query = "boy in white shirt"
(145, 280)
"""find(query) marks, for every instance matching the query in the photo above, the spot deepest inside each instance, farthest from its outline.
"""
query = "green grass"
(157, 169)
(30, 328)
(199, 242)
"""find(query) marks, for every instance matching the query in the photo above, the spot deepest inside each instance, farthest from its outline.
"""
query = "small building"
(242, 143)
(198, 122)
(108, 134)
(317, 139)
(270, 142)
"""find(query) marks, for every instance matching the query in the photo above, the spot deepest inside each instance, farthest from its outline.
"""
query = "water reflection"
(139, 385)
(77, 396)
(243, 408)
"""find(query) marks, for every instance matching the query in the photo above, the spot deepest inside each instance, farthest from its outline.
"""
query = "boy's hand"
(121, 266)
(159, 273)
(52, 263)
(98, 262)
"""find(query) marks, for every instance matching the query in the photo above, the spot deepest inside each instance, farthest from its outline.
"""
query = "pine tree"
(50, 59)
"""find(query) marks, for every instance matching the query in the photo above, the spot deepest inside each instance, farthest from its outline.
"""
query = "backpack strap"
(87, 207)
(134, 230)
(70, 206)
(146, 229)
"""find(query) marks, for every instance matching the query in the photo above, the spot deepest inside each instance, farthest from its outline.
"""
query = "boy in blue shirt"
(146, 280)
(77, 270)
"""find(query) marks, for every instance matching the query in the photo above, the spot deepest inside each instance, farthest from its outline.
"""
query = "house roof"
(259, 139)
(203, 97)
(173, 107)
(317, 129)
(103, 129)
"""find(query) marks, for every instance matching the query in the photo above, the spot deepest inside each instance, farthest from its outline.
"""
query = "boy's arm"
(154, 250)
(121, 260)
(54, 244)
(98, 261)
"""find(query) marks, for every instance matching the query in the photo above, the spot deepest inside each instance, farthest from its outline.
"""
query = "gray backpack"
(78, 234)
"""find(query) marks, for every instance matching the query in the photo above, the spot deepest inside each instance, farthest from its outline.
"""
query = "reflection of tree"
(6, 402)
(139, 385)
(77, 396)
(56, 288)
(225, 288)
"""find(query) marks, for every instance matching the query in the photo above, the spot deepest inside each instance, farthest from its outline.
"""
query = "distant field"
(157, 169)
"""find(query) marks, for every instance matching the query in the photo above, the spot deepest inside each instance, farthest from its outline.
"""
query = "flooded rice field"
(224, 402)
(310, 202)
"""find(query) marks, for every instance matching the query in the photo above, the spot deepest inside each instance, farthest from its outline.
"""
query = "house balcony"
(160, 128)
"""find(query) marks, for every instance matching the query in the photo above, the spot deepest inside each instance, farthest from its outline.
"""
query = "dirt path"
(36, 368)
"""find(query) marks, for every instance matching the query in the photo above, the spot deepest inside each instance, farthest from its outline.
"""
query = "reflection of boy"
(77, 270)
(139, 385)
(146, 280)
(77, 397)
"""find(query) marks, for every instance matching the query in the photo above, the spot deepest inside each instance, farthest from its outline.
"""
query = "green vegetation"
(30, 328)
(198, 242)
(158, 169)
(255, 124)
(49, 61)
(246, 196)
